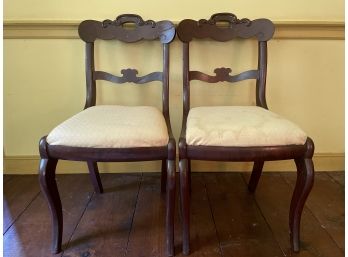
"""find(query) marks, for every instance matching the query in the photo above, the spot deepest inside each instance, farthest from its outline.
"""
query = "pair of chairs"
(142, 133)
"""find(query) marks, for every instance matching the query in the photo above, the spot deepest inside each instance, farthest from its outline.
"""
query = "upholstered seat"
(112, 126)
(240, 126)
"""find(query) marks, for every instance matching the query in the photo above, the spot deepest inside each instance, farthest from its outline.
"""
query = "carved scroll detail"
(126, 18)
(223, 74)
(262, 29)
(90, 30)
(227, 17)
(129, 75)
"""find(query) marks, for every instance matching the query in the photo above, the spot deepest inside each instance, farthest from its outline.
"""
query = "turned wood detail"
(261, 29)
(90, 30)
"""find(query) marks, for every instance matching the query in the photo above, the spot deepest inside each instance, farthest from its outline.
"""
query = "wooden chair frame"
(263, 30)
(89, 31)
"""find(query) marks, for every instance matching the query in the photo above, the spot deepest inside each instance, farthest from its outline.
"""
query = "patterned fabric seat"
(112, 126)
(240, 126)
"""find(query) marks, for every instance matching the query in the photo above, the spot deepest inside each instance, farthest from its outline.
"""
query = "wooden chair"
(236, 133)
(107, 133)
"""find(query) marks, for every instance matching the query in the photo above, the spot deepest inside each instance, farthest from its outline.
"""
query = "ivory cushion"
(240, 126)
(112, 126)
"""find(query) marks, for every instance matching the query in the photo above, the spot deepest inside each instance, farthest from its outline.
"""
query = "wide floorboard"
(128, 219)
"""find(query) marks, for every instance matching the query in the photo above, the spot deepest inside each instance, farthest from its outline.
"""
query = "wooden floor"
(128, 219)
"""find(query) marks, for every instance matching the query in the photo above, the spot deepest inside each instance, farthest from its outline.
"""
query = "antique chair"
(239, 133)
(114, 133)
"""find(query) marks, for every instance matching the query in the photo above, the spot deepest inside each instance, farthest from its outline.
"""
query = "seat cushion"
(112, 126)
(240, 126)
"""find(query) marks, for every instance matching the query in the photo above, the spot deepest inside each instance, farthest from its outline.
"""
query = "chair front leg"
(164, 176)
(170, 202)
(95, 177)
(255, 175)
(304, 184)
(50, 191)
(185, 204)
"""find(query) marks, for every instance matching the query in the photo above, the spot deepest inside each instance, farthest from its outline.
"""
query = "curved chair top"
(262, 29)
(90, 30)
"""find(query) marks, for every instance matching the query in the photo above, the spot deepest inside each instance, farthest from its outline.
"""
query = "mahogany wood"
(163, 176)
(255, 175)
(91, 94)
(222, 74)
(170, 200)
(129, 75)
(89, 31)
(262, 29)
(50, 191)
(95, 177)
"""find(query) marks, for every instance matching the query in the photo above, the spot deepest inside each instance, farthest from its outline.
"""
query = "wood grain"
(241, 228)
(325, 202)
(105, 226)
(147, 237)
(31, 234)
(19, 192)
(204, 241)
(242, 223)
(7, 178)
(338, 176)
(273, 197)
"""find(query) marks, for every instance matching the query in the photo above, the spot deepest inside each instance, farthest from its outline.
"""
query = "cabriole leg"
(95, 177)
(50, 191)
(304, 183)
(255, 176)
(185, 204)
(170, 202)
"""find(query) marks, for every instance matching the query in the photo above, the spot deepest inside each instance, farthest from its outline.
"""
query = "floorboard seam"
(8, 180)
(334, 179)
(135, 207)
(212, 216)
(263, 216)
(77, 223)
(19, 215)
(315, 217)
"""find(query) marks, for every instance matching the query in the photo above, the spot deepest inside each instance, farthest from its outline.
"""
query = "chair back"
(224, 27)
(128, 28)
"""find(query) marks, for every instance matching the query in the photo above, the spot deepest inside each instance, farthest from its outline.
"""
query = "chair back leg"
(164, 176)
(95, 177)
(255, 175)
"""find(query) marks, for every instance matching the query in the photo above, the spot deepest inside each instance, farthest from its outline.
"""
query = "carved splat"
(223, 74)
(129, 75)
